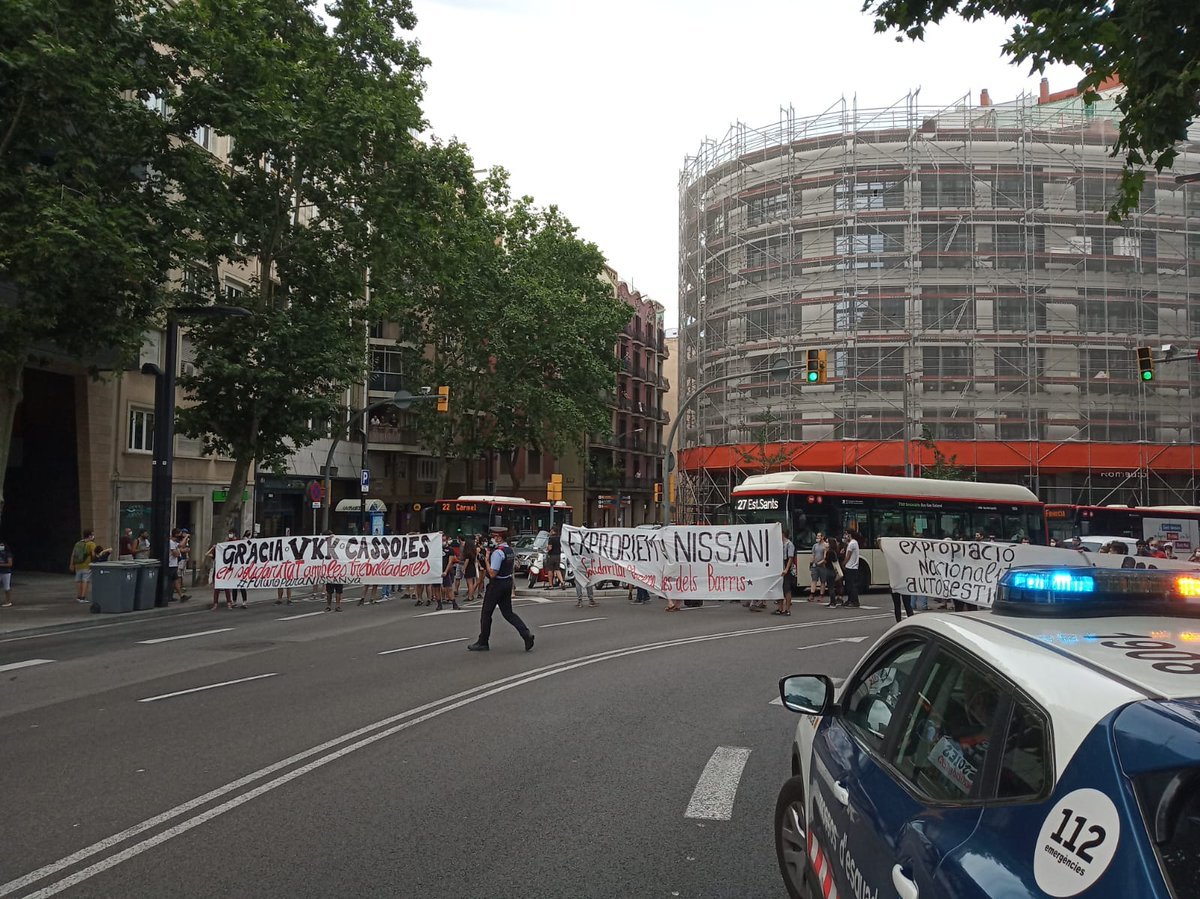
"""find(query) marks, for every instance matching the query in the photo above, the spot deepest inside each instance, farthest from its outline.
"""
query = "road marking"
(576, 621)
(305, 615)
(240, 680)
(712, 800)
(540, 600)
(28, 663)
(219, 630)
(388, 652)
(443, 612)
(834, 642)
(365, 736)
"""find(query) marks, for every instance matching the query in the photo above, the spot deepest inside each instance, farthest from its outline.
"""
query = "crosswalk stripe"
(712, 800)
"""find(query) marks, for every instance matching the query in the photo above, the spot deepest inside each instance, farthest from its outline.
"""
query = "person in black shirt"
(499, 593)
(554, 560)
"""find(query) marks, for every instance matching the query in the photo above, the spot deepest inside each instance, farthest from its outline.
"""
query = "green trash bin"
(114, 585)
(147, 581)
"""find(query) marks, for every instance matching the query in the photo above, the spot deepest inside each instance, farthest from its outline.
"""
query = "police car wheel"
(791, 838)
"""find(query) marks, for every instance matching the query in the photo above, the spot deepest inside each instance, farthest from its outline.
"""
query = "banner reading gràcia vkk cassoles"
(308, 561)
(737, 562)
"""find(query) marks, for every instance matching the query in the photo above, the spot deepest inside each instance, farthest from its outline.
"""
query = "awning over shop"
(352, 505)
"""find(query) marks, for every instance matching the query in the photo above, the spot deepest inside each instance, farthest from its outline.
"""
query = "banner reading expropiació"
(308, 561)
(732, 562)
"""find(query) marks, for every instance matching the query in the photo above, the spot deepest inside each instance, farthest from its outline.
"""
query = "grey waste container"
(147, 581)
(113, 585)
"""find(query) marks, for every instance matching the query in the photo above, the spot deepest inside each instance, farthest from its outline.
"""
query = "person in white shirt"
(850, 560)
(789, 575)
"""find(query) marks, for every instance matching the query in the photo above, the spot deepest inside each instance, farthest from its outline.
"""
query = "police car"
(1050, 747)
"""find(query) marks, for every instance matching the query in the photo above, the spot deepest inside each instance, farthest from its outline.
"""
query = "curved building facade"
(974, 301)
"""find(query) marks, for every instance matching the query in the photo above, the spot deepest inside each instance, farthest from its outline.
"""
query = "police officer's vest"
(506, 567)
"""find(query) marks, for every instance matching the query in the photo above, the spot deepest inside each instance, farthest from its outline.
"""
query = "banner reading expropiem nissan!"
(308, 561)
(734, 562)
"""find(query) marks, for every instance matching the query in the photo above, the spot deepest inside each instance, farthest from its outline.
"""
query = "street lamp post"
(162, 470)
(666, 462)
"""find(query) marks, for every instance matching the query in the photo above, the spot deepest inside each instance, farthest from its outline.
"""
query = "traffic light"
(554, 488)
(658, 493)
(443, 399)
(671, 486)
(1145, 357)
(815, 367)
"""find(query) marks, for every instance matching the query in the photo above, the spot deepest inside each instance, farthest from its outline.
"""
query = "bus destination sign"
(756, 503)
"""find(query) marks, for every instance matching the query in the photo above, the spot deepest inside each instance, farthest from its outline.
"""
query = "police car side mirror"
(808, 694)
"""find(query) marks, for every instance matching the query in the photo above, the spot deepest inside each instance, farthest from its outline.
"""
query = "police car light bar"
(1083, 592)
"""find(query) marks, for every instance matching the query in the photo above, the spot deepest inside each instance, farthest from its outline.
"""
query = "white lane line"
(443, 612)
(240, 680)
(713, 797)
(576, 621)
(219, 630)
(388, 652)
(363, 736)
(540, 600)
(305, 615)
(836, 642)
(28, 663)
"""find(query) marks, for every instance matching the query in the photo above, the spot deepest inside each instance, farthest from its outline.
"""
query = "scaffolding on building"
(958, 264)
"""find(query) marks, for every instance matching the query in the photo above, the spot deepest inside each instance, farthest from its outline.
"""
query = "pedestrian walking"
(554, 560)
(332, 588)
(471, 568)
(579, 589)
(789, 575)
(6, 570)
(499, 593)
(83, 554)
(850, 565)
(816, 566)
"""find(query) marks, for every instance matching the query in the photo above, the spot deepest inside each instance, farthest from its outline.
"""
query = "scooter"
(538, 574)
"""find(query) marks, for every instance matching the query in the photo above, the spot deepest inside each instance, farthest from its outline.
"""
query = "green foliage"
(88, 217)
(1153, 45)
(943, 468)
(324, 180)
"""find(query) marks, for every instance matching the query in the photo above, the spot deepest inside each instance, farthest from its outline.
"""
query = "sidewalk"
(45, 601)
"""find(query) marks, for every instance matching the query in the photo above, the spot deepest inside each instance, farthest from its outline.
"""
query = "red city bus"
(1177, 524)
(481, 514)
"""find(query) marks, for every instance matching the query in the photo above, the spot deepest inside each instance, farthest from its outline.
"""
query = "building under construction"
(974, 300)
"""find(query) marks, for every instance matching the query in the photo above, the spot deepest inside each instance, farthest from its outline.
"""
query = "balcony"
(393, 436)
(605, 440)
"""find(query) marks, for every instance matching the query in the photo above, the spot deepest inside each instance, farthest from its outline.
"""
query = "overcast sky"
(593, 106)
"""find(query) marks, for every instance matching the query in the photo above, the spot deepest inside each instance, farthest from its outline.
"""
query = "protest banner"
(310, 561)
(732, 562)
(969, 571)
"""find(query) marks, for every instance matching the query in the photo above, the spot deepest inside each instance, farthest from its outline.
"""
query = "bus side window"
(889, 523)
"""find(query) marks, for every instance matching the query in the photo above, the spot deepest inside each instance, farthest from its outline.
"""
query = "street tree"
(323, 178)
(1152, 45)
(523, 330)
(89, 213)
(943, 468)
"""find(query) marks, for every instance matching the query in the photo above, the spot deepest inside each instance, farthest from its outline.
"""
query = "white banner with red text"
(969, 571)
(732, 562)
(328, 559)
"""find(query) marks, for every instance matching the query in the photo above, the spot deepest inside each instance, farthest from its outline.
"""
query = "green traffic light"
(812, 377)
(1147, 376)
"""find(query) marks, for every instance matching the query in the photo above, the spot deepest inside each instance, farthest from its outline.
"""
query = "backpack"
(80, 553)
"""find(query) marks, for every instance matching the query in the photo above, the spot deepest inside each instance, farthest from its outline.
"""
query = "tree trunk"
(510, 465)
(233, 509)
(11, 373)
(443, 476)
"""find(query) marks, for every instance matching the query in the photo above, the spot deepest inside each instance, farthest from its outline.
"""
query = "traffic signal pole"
(686, 404)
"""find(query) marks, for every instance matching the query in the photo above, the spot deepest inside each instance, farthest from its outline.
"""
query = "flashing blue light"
(1053, 581)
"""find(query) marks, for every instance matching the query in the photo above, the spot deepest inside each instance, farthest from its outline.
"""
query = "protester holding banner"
(784, 606)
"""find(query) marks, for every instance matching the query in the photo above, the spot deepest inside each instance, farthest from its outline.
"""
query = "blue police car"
(1050, 747)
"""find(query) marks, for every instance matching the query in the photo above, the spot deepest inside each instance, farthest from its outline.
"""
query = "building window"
(158, 103)
(1127, 246)
(427, 469)
(845, 244)
(234, 291)
(141, 431)
(864, 195)
(387, 369)
(203, 135)
(533, 462)
(767, 209)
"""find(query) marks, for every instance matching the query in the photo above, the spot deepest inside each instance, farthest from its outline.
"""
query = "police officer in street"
(499, 565)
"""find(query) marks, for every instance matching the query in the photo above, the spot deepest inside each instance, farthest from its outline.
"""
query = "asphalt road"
(335, 765)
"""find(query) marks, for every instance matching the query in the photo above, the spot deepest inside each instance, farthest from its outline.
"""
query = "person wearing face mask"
(6, 567)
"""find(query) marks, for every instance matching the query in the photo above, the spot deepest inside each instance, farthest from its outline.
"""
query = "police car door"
(846, 851)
